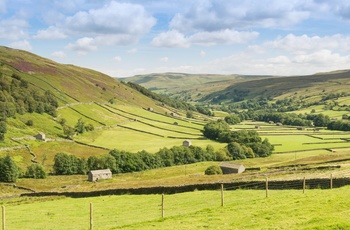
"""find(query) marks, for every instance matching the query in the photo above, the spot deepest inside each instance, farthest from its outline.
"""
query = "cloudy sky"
(128, 37)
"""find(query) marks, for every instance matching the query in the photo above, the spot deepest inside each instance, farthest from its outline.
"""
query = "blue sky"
(129, 37)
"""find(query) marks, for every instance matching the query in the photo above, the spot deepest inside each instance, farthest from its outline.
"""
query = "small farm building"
(257, 127)
(187, 143)
(300, 128)
(40, 136)
(230, 168)
(279, 124)
(96, 175)
(150, 109)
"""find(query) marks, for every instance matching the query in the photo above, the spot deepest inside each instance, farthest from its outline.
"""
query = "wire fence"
(113, 211)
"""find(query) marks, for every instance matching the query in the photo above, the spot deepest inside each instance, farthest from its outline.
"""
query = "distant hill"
(219, 89)
(187, 87)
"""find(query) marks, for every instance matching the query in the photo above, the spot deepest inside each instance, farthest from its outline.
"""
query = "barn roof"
(230, 165)
(101, 171)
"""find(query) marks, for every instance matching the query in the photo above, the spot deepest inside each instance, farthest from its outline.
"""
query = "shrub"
(30, 123)
(213, 170)
(36, 171)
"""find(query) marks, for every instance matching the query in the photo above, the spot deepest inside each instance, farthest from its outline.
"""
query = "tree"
(68, 131)
(214, 129)
(36, 171)
(232, 119)
(9, 171)
(236, 151)
(65, 164)
(213, 170)
(3, 130)
(80, 126)
(189, 114)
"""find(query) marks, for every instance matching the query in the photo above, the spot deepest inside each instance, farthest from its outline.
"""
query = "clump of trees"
(241, 144)
(35, 171)
(10, 172)
(80, 127)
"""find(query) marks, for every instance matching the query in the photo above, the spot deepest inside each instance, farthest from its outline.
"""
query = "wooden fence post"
(3, 218)
(91, 217)
(163, 205)
(304, 183)
(267, 187)
(222, 195)
(331, 182)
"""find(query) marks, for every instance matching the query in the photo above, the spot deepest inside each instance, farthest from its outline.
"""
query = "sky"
(123, 38)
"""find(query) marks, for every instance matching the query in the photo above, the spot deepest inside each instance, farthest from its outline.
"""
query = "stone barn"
(40, 136)
(231, 168)
(187, 143)
(96, 175)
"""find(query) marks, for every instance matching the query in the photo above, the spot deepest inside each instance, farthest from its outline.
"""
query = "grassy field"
(243, 209)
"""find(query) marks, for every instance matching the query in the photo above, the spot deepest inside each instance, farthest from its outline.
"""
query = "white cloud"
(295, 43)
(117, 59)
(82, 46)
(222, 37)
(208, 15)
(115, 20)
(172, 38)
(202, 53)
(132, 51)
(164, 59)
(23, 45)
(50, 33)
(13, 29)
(58, 54)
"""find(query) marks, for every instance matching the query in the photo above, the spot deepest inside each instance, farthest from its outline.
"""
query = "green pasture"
(133, 141)
(138, 113)
(286, 143)
(100, 114)
(156, 130)
(243, 209)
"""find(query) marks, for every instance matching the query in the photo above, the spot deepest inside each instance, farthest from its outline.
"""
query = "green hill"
(38, 95)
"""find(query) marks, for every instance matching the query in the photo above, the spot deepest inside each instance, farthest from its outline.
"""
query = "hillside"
(75, 93)
(190, 87)
(81, 112)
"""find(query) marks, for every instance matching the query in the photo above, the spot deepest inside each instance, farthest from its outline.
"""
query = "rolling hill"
(189, 87)
(121, 116)
(219, 89)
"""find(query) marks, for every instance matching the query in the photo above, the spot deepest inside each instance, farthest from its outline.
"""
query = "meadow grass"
(129, 140)
(291, 142)
(243, 209)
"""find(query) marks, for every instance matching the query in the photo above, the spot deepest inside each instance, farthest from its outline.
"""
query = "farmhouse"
(257, 127)
(230, 168)
(301, 128)
(40, 136)
(96, 175)
(187, 143)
